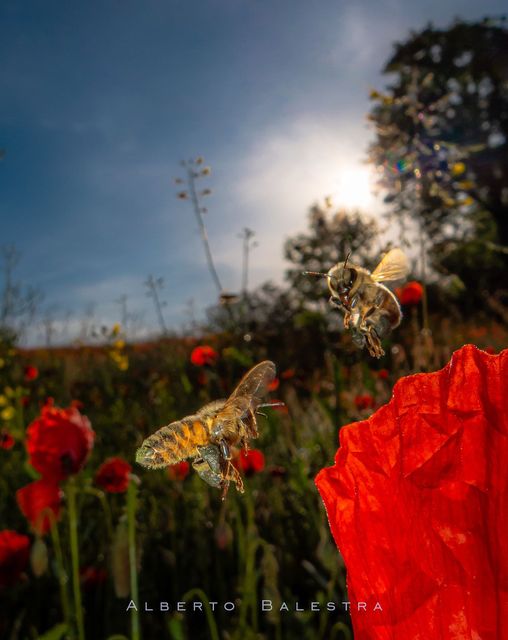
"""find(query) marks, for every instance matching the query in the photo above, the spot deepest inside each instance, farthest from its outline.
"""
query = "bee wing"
(250, 391)
(392, 267)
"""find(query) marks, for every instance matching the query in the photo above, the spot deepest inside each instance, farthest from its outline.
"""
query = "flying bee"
(370, 309)
(208, 435)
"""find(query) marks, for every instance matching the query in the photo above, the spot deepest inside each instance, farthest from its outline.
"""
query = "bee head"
(341, 280)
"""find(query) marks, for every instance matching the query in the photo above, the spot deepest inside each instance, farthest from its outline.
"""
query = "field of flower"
(77, 514)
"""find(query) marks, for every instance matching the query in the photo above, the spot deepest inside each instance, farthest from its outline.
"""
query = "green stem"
(105, 507)
(61, 573)
(131, 524)
(73, 532)
(249, 586)
(212, 626)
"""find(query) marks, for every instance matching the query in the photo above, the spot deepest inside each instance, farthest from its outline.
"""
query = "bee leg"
(224, 449)
(347, 319)
(235, 477)
(373, 343)
(225, 488)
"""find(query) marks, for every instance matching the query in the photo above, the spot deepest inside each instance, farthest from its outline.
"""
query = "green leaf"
(56, 633)
(175, 628)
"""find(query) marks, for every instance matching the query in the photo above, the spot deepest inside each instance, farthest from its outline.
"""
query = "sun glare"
(354, 188)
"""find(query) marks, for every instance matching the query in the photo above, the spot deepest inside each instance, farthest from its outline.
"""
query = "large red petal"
(417, 504)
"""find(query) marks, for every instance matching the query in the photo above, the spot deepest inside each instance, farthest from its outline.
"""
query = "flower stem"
(73, 532)
(61, 573)
(131, 525)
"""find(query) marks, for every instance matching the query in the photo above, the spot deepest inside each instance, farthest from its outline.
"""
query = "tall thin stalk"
(60, 570)
(73, 532)
(132, 492)
(247, 236)
(154, 286)
(194, 171)
(191, 182)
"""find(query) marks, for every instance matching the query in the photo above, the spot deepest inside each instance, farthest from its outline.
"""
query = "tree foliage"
(331, 236)
(441, 144)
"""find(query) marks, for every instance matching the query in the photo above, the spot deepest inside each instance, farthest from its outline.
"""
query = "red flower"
(14, 555)
(423, 486)
(365, 402)
(92, 576)
(31, 373)
(204, 355)
(250, 462)
(59, 442)
(273, 385)
(383, 374)
(36, 500)
(179, 471)
(6, 440)
(411, 293)
(287, 374)
(113, 475)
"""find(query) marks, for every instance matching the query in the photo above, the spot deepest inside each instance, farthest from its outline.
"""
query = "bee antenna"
(345, 261)
(276, 403)
(317, 273)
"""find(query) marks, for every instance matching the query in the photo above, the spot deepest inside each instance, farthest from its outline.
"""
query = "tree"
(330, 238)
(18, 303)
(442, 144)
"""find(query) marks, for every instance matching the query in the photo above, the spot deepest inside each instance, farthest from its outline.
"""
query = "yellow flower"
(119, 344)
(458, 168)
(8, 413)
(466, 184)
(3, 401)
(116, 329)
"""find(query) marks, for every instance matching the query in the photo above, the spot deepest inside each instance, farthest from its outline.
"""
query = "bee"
(207, 436)
(370, 309)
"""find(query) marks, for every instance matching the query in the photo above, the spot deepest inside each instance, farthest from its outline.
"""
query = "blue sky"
(101, 100)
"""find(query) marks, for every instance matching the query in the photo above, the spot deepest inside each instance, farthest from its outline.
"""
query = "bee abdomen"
(173, 443)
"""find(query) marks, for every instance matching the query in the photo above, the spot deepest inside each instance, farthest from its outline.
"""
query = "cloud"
(286, 170)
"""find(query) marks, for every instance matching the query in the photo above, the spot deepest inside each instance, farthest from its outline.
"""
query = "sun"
(354, 188)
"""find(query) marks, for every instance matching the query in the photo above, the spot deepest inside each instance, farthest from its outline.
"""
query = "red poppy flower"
(204, 355)
(365, 401)
(383, 374)
(59, 442)
(14, 556)
(92, 576)
(179, 471)
(31, 373)
(6, 440)
(36, 500)
(411, 293)
(113, 475)
(417, 505)
(250, 462)
(273, 385)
